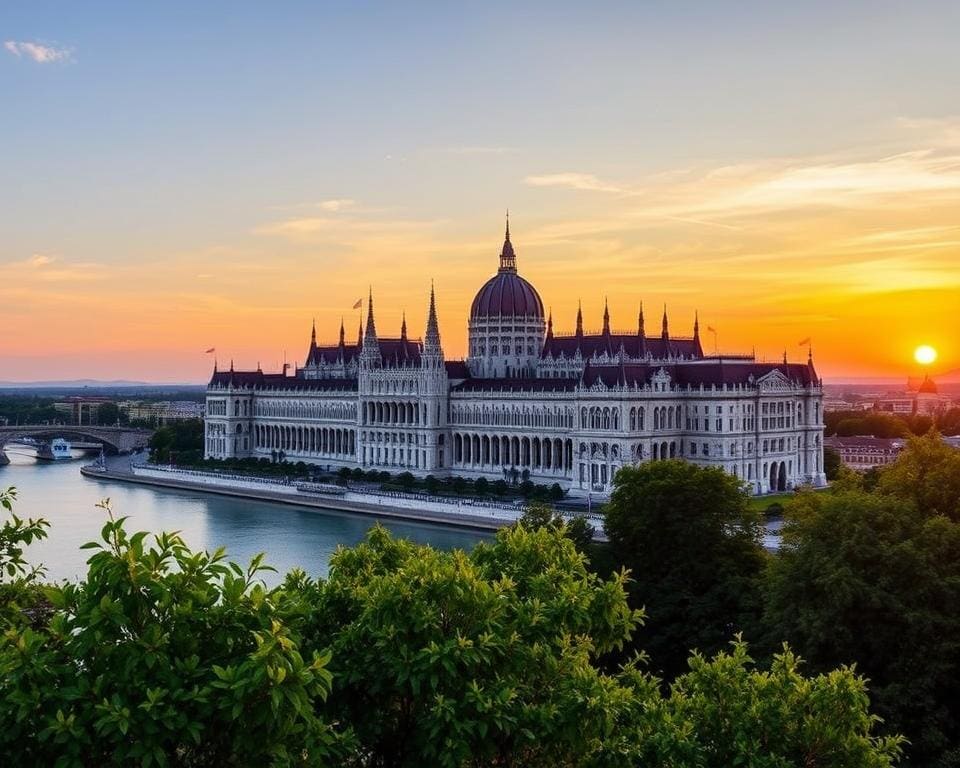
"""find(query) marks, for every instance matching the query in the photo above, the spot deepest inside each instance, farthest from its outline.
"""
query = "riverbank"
(473, 516)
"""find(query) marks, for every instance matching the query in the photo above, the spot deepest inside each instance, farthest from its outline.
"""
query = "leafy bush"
(162, 656)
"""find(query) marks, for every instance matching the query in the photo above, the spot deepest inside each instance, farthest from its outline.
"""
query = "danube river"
(290, 537)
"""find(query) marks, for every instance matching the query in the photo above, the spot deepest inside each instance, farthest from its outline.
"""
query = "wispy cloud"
(38, 52)
(474, 149)
(336, 205)
(580, 181)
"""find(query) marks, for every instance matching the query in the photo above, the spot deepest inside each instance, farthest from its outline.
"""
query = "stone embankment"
(413, 507)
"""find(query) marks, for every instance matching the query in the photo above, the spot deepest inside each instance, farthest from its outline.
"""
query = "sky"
(182, 176)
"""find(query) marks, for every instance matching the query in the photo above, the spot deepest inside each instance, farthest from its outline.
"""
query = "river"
(290, 537)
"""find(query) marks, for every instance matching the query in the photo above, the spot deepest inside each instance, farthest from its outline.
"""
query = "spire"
(550, 324)
(696, 325)
(343, 334)
(641, 333)
(312, 352)
(606, 317)
(403, 328)
(360, 336)
(370, 344)
(231, 365)
(431, 342)
(579, 319)
(508, 259)
(784, 357)
(665, 330)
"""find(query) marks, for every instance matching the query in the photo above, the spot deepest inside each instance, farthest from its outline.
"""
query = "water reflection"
(291, 537)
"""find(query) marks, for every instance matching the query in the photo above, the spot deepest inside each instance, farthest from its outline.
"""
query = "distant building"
(529, 402)
(923, 399)
(81, 410)
(861, 452)
(162, 412)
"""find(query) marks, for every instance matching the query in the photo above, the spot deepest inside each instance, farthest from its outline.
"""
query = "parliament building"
(567, 408)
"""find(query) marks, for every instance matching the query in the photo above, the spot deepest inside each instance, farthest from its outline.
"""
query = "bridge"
(117, 439)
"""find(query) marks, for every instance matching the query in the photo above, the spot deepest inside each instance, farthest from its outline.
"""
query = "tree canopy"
(692, 543)
(873, 578)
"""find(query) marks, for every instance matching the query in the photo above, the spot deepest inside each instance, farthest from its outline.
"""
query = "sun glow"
(924, 354)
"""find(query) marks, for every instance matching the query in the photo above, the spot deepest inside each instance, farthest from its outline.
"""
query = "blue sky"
(164, 133)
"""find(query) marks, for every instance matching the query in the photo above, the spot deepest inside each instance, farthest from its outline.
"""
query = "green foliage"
(455, 659)
(20, 598)
(831, 463)
(109, 414)
(28, 409)
(577, 529)
(881, 424)
(724, 712)
(15, 534)
(162, 657)
(481, 486)
(176, 438)
(927, 472)
(406, 480)
(691, 540)
(873, 578)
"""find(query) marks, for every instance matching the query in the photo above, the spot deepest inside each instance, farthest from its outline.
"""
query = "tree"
(556, 492)
(162, 656)
(20, 597)
(481, 486)
(831, 463)
(431, 484)
(725, 712)
(455, 659)
(108, 414)
(577, 529)
(406, 480)
(874, 579)
(692, 543)
(927, 472)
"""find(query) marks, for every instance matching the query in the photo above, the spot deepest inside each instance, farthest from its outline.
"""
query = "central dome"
(506, 293)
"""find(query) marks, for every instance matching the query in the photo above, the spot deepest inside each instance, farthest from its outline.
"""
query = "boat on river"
(56, 450)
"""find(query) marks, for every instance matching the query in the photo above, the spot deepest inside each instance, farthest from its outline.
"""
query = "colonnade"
(392, 412)
(318, 441)
(494, 452)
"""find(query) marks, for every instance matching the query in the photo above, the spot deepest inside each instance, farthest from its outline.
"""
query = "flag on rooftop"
(212, 349)
(358, 304)
(803, 341)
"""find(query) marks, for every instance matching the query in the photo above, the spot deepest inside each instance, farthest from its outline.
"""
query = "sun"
(924, 354)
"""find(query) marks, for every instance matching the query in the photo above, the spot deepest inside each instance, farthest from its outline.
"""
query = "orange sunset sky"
(220, 177)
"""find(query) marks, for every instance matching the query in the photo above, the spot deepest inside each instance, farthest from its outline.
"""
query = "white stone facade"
(569, 409)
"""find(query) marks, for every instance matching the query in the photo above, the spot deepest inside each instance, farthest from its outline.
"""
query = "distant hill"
(92, 383)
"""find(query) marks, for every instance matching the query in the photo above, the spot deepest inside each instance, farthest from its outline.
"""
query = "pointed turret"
(343, 334)
(550, 325)
(606, 317)
(641, 334)
(508, 259)
(403, 328)
(665, 329)
(697, 346)
(360, 337)
(371, 346)
(579, 320)
(312, 352)
(432, 351)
